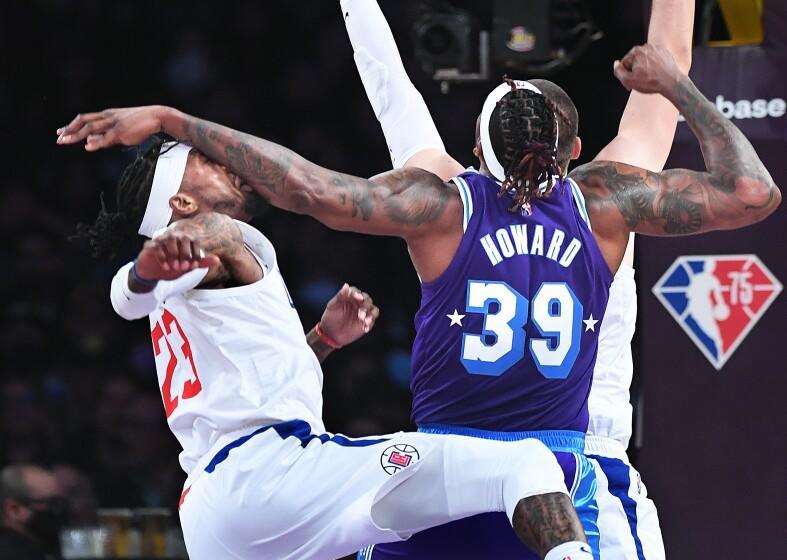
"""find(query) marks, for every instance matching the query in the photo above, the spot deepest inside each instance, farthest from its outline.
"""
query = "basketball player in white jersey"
(628, 523)
(242, 393)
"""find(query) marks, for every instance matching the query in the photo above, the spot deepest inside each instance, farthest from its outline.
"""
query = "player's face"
(216, 189)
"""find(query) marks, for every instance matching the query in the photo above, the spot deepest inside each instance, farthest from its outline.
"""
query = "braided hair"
(112, 229)
(523, 130)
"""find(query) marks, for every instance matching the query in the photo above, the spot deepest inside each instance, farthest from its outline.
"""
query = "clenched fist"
(648, 69)
(170, 256)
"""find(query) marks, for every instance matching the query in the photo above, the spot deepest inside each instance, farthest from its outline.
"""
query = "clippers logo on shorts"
(717, 299)
(397, 457)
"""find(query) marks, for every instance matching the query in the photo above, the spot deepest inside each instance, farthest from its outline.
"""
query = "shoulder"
(412, 177)
(419, 201)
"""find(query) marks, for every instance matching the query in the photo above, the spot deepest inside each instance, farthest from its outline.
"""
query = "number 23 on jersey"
(554, 310)
(165, 329)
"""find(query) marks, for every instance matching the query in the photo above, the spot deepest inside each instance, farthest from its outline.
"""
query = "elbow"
(762, 202)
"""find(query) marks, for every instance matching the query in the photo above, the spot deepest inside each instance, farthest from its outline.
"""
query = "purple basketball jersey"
(507, 335)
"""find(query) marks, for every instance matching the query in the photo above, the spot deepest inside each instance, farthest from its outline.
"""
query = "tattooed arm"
(735, 191)
(410, 203)
(406, 202)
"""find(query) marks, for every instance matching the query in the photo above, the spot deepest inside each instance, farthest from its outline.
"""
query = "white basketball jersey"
(234, 358)
(608, 404)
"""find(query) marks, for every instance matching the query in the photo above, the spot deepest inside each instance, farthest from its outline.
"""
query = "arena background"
(78, 384)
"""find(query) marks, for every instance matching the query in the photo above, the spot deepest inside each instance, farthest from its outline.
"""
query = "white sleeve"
(131, 305)
(402, 112)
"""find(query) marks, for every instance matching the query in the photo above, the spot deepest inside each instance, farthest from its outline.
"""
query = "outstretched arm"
(406, 202)
(735, 191)
(647, 127)
(411, 135)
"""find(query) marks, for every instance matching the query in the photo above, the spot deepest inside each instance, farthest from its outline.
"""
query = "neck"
(484, 170)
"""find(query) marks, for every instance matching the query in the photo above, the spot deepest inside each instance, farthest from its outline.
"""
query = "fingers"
(628, 60)
(367, 310)
(84, 125)
(372, 316)
(180, 253)
(98, 141)
(622, 73)
(209, 261)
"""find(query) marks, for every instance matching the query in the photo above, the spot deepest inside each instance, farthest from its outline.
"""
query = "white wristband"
(130, 305)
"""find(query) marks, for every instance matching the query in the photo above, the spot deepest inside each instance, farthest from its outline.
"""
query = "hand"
(170, 256)
(648, 69)
(349, 315)
(107, 128)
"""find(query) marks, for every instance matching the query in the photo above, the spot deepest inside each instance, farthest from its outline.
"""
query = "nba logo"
(717, 299)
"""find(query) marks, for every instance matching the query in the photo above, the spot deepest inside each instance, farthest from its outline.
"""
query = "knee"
(533, 468)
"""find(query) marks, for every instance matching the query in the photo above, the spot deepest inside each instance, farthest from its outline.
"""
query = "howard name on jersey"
(507, 335)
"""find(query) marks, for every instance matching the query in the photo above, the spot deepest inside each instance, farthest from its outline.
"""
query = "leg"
(545, 521)
(324, 496)
(489, 535)
(521, 478)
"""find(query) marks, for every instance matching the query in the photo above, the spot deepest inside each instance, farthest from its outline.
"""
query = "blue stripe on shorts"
(292, 428)
(619, 482)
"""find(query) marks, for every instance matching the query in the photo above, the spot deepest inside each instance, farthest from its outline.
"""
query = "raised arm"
(410, 132)
(647, 127)
(735, 191)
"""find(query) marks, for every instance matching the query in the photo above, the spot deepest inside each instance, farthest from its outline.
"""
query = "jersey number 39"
(554, 310)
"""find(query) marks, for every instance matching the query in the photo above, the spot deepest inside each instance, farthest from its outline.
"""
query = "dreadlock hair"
(522, 129)
(112, 229)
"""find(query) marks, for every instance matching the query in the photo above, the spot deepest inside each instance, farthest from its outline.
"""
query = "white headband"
(170, 168)
(490, 158)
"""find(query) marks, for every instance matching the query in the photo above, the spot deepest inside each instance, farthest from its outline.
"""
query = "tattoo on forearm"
(408, 197)
(728, 153)
(258, 161)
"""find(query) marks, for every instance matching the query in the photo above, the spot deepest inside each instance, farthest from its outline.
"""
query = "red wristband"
(325, 338)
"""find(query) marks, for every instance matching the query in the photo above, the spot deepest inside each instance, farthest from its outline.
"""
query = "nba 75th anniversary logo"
(717, 299)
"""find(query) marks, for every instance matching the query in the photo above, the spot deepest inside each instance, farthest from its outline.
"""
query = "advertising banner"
(712, 342)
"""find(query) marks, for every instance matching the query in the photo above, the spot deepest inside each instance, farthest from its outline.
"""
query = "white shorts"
(285, 493)
(627, 518)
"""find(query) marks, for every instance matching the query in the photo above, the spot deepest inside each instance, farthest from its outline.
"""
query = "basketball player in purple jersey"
(518, 257)
(626, 518)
